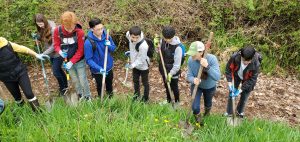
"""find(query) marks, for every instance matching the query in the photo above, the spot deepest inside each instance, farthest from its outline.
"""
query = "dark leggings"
(24, 82)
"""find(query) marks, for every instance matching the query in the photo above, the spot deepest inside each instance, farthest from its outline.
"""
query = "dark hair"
(168, 32)
(45, 33)
(94, 22)
(248, 52)
(135, 30)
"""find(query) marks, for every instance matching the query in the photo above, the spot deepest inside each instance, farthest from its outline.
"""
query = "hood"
(175, 40)
(3, 42)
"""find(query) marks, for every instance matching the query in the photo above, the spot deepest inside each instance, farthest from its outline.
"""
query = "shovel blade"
(187, 127)
(49, 104)
(234, 121)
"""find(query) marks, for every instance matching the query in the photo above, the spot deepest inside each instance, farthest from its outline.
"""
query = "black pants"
(136, 81)
(108, 83)
(174, 88)
(24, 82)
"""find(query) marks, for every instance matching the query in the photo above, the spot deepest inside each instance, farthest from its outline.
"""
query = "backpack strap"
(61, 36)
(94, 46)
(137, 46)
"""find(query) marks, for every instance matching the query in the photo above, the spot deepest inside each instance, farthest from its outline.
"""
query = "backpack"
(150, 43)
(183, 52)
(93, 43)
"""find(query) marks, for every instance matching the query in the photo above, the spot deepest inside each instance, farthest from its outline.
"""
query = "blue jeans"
(78, 76)
(208, 95)
(241, 105)
(59, 73)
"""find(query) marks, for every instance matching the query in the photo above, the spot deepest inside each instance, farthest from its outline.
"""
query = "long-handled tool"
(185, 124)
(165, 74)
(49, 101)
(126, 76)
(105, 64)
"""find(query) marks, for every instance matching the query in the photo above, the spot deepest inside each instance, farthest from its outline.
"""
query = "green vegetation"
(121, 120)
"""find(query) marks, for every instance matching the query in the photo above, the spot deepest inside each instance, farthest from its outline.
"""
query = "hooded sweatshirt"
(50, 48)
(138, 60)
(95, 59)
(177, 56)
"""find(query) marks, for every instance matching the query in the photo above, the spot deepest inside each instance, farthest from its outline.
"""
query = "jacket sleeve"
(248, 85)
(177, 61)
(88, 55)
(214, 70)
(228, 72)
(190, 76)
(22, 49)
(79, 53)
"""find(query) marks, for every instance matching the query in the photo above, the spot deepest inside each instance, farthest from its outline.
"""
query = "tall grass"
(123, 120)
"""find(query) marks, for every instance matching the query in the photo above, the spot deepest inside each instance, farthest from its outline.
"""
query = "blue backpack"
(183, 52)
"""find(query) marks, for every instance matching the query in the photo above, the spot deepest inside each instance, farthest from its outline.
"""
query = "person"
(94, 52)
(172, 56)
(68, 41)
(139, 61)
(209, 77)
(242, 68)
(2, 106)
(45, 30)
(13, 73)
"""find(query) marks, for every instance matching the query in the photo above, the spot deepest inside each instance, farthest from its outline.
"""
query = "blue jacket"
(95, 59)
(213, 72)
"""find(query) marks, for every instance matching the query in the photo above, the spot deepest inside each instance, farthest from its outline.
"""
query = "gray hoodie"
(50, 48)
(177, 56)
(138, 60)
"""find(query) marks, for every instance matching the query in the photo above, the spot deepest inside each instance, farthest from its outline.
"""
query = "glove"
(63, 54)
(107, 43)
(156, 41)
(236, 92)
(102, 71)
(230, 87)
(42, 56)
(68, 65)
(128, 66)
(127, 53)
(169, 77)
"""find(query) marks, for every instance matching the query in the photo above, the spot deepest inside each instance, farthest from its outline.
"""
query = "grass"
(121, 120)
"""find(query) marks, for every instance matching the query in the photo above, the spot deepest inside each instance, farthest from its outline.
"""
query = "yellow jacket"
(16, 47)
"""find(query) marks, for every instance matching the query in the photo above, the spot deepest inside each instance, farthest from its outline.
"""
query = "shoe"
(2, 107)
(198, 119)
(240, 115)
(163, 102)
(35, 105)
(20, 103)
(227, 115)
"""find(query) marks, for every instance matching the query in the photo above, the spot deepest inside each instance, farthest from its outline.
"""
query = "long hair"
(45, 33)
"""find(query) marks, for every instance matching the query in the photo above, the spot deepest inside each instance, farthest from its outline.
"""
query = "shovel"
(126, 76)
(185, 124)
(233, 121)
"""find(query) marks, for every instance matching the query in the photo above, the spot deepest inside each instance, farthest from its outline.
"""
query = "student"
(139, 61)
(94, 52)
(45, 31)
(172, 56)
(13, 72)
(207, 83)
(244, 67)
(68, 43)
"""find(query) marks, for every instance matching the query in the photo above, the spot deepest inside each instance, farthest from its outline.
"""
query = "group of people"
(70, 50)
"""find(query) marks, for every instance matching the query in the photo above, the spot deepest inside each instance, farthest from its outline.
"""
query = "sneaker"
(240, 115)
(163, 102)
(227, 115)
(2, 106)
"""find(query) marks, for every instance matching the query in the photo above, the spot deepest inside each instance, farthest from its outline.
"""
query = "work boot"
(199, 119)
(206, 112)
(34, 103)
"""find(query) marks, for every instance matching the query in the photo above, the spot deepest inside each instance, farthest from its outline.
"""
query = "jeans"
(59, 73)
(241, 105)
(79, 78)
(136, 81)
(24, 82)
(108, 83)
(208, 95)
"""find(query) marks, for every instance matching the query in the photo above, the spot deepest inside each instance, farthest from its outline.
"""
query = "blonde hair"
(68, 19)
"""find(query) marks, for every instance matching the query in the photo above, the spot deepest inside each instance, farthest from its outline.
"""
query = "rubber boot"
(206, 112)
(35, 105)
